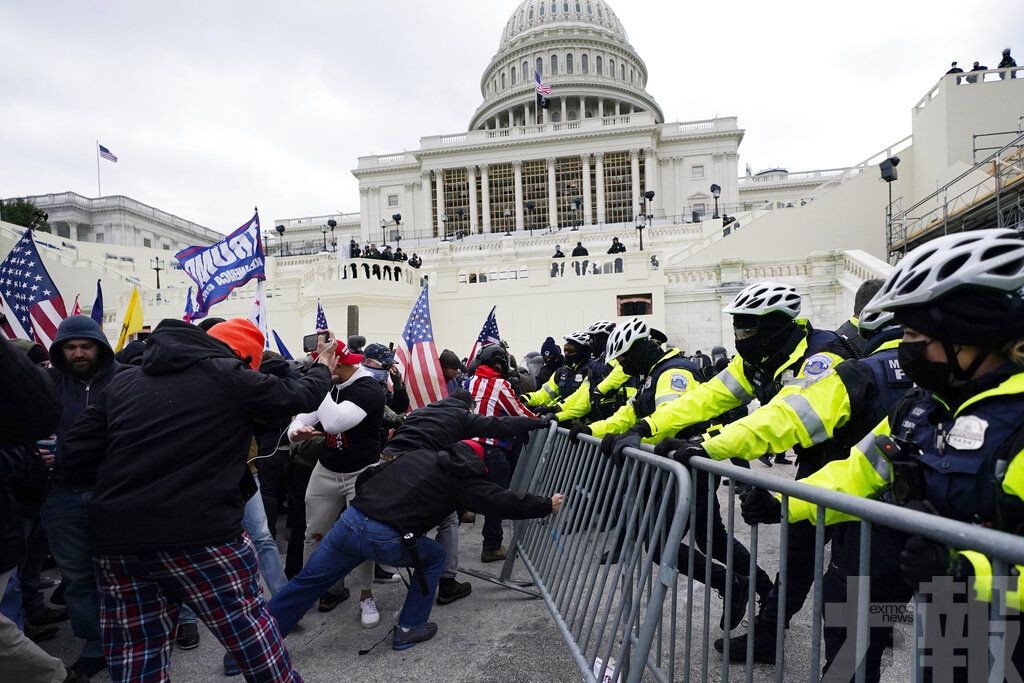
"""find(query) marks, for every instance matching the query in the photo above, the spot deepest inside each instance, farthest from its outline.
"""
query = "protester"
(83, 366)
(1007, 62)
(396, 504)
(580, 250)
(553, 359)
(350, 418)
(166, 528)
(415, 261)
(977, 67)
(558, 252)
(454, 370)
(849, 330)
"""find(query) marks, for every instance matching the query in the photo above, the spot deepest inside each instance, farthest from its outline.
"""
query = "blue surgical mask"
(378, 374)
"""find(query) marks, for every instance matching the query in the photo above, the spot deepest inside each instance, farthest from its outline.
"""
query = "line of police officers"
(927, 410)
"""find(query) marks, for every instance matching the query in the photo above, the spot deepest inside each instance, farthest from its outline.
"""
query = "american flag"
(539, 85)
(31, 304)
(258, 313)
(488, 335)
(321, 319)
(107, 154)
(418, 356)
(189, 311)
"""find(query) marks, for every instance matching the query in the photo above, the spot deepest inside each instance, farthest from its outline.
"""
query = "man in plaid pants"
(166, 449)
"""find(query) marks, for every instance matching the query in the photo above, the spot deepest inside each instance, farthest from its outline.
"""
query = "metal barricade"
(598, 564)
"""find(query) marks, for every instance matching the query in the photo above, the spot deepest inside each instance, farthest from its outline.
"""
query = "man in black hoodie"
(396, 504)
(435, 426)
(83, 366)
(165, 452)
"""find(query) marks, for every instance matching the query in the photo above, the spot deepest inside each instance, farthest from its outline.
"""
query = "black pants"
(297, 483)
(273, 485)
(499, 472)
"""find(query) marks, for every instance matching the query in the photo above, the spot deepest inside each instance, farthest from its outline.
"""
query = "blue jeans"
(10, 601)
(352, 540)
(254, 519)
(65, 515)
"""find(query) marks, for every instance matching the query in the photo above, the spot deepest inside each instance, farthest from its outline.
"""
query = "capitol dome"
(580, 49)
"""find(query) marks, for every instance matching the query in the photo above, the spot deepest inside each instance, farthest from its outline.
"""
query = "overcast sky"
(214, 107)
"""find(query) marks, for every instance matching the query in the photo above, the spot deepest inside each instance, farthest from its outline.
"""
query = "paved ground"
(494, 635)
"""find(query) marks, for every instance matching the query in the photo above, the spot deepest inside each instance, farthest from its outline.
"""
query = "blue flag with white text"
(221, 267)
(97, 306)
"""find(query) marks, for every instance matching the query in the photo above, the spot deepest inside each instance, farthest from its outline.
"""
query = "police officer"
(954, 443)
(606, 387)
(850, 329)
(566, 379)
(777, 353)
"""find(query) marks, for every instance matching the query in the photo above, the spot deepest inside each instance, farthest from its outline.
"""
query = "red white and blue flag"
(321, 319)
(539, 85)
(107, 154)
(258, 313)
(31, 304)
(418, 356)
(488, 335)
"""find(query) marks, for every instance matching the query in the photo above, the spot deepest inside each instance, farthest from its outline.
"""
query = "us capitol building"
(485, 208)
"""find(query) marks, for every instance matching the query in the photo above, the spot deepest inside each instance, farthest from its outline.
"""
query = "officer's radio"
(907, 477)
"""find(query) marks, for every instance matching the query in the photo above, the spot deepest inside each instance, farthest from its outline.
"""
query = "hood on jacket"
(80, 327)
(176, 345)
(461, 462)
(131, 354)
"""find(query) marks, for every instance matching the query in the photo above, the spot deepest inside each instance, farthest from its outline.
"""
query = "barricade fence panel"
(608, 566)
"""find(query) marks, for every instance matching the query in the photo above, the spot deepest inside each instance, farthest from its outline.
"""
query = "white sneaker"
(368, 614)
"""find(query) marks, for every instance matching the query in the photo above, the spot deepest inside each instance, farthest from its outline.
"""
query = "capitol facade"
(485, 209)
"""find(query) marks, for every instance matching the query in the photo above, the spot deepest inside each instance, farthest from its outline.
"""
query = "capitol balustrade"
(360, 271)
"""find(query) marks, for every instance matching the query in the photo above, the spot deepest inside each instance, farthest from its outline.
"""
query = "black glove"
(683, 455)
(574, 433)
(543, 421)
(922, 560)
(630, 439)
(669, 446)
(608, 445)
(760, 507)
(540, 411)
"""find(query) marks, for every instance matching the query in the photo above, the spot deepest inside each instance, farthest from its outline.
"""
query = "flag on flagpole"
(543, 91)
(189, 311)
(29, 300)
(281, 348)
(258, 313)
(97, 306)
(418, 356)
(132, 319)
(221, 267)
(107, 154)
(321, 319)
(488, 334)
(76, 309)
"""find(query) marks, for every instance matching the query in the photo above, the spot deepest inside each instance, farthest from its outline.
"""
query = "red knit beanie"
(244, 338)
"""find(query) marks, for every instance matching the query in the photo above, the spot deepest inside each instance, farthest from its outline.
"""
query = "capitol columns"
(517, 167)
(599, 172)
(485, 197)
(364, 212)
(442, 226)
(587, 216)
(650, 170)
(471, 182)
(552, 194)
(427, 217)
(634, 174)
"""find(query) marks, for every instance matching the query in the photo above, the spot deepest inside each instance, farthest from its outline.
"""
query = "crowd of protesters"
(386, 253)
(157, 476)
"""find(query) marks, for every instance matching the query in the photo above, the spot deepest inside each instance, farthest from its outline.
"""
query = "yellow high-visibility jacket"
(578, 404)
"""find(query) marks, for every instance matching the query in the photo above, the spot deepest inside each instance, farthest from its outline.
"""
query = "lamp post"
(397, 218)
(530, 206)
(716, 192)
(641, 223)
(889, 174)
(577, 212)
(280, 231)
(443, 218)
(646, 217)
(323, 231)
(459, 212)
(508, 217)
(156, 264)
(332, 224)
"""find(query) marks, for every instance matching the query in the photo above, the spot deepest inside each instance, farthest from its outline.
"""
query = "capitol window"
(599, 65)
(568, 63)
(513, 75)
(554, 64)
(554, 8)
(622, 71)
(600, 14)
(611, 68)
(502, 80)
(392, 201)
(531, 13)
(631, 75)
(585, 63)
(526, 70)
(590, 9)
(697, 172)
(541, 9)
(540, 65)
(565, 7)
(578, 8)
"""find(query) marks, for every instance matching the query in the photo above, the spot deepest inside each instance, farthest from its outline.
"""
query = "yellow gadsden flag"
(132, 319)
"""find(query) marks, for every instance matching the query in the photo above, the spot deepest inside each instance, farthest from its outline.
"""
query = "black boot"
(740, 593)
(764, 644)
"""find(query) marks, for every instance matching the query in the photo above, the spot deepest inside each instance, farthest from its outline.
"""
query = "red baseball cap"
(345, 357)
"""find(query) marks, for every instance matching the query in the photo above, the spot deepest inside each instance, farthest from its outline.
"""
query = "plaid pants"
(139, 599)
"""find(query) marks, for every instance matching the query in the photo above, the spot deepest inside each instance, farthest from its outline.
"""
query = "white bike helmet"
(872, 319)
(601, 327)
(980, 259)
(763, 298)
(624, 337)
(579, 338)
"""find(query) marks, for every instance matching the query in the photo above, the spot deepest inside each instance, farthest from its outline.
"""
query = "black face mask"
(931, 376)
(759, 348)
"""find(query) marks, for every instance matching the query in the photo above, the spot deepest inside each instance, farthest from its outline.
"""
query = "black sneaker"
(738, 609)
(58, 595)
(39, 633)
(403, 640)
(329, 600)
(450, 590)
(188, 637)
(382, 575)
(781, 459)
(766, 459)
(49, 615)
(75, 677)
(88, 666)
(764, 644)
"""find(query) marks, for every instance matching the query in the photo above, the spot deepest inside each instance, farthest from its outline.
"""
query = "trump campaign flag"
(220, 268)
(488, 334)
(418, 356)
(31, 305)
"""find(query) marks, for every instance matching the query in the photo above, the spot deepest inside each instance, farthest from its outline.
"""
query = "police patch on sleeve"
(818, 364)
(679, 382)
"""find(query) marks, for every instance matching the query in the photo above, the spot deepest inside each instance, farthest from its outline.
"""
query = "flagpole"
(99, 190)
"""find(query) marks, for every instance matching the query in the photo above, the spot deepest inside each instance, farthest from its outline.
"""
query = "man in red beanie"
(168, 445)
